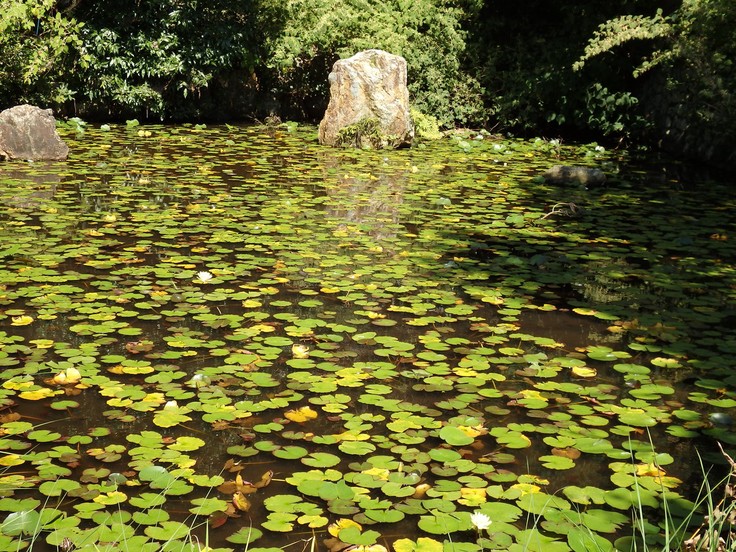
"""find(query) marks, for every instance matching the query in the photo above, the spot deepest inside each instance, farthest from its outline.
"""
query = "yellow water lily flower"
(69, 376)
(299, 351)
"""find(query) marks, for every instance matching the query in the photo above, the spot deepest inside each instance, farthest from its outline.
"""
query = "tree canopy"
(634, 70)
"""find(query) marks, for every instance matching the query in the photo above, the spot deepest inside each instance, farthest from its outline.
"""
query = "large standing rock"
(29, 132)
(369, 102)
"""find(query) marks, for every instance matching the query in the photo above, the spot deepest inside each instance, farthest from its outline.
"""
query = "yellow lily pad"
(22, 320)
(301, 415)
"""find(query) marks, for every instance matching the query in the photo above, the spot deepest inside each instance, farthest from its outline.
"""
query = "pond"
(231, 338)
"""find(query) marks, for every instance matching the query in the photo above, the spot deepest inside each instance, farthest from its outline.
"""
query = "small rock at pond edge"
(560, 174)
(721, 419)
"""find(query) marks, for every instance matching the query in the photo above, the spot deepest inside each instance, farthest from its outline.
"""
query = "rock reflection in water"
(31, 190)
(370, 200)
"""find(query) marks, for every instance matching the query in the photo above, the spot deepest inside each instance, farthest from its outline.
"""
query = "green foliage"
(619, 30)
(610, 112)
(159, 57)
(366, 133)
(691, 93)
(427, 33)
(596, 68)
(426, 127)
(38, 45)
(696, 104)
(523, 55)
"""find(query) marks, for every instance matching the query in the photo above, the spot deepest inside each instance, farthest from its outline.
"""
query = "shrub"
(427, 33)
(161, 58)
(692, 78)
(39, 48)
(366, 133)
(426, 127)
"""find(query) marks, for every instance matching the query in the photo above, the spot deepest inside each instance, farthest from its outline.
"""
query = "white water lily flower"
(204, 276)
(171, 405)
(480, 520)
(199, 380)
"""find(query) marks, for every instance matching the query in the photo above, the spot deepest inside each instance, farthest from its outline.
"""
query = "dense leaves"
(38, 45)
(426, 32)
(637, 70)
(159, 58)
(621, 70)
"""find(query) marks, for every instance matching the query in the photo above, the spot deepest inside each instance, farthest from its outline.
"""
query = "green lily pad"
(292, 452)
(454, 436)
(321, 460)
(24, 522)
(358, 448)
(353, 535)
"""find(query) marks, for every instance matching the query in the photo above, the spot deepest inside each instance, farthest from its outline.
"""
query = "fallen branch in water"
(566, 209)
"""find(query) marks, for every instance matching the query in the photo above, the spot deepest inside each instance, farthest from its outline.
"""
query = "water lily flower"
(204, 276)
(199, 380)
(68, 376)
(480, 520)
(171, 405)
(299, 351)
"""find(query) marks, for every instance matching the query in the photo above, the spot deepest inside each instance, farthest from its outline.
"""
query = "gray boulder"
(560, 174)
(369, 102)
(29, 132)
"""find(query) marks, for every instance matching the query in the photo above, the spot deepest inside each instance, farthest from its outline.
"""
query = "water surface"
(233, 336)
